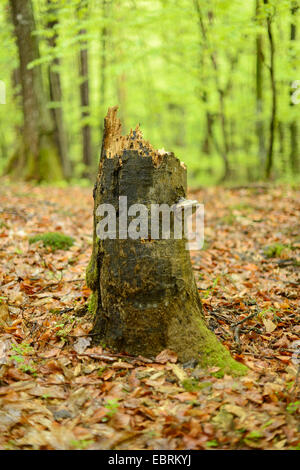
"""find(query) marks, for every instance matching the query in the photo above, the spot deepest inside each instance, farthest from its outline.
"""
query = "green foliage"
(210, 291)
(81, 444)
(23, 348)
(293, 407)
(252, 437)
(55, 240)
(24, 364)
(101, 370)
(274, 251)
(161, 73)
(212, 443)
(112, 407)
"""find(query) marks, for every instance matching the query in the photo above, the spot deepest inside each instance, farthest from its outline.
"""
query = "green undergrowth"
(274, 251)
(55, 240)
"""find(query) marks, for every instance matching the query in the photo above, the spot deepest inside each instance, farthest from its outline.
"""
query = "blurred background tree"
(211, 81)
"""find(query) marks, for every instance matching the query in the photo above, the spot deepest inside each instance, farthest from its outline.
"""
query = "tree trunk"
(269, 162)
(122, 95)
(85, 102)
(56, 95)
(85, 91)
(294, 128)
(281, 141)
(222, 149)
(103, 66)
(259, 91)
(38, 159)
(145, 297)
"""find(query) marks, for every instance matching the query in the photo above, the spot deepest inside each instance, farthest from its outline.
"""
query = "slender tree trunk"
(222, 149)
(209, 122)
(281, 128)
(40, 152)
(176, 111)
(119, 43)
(270, 153)
(122, 97)
(3, 145)
(103, 62)
(294, 127)
(145, 297)
(18, 157)
(259, 91)
(207, 142)
(56, 95)
(85, 102)
(177, 118)
(85, 94)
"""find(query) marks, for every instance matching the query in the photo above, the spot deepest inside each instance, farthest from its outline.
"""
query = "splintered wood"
(115, 143)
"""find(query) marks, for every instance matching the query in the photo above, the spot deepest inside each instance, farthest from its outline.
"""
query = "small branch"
(244, 319)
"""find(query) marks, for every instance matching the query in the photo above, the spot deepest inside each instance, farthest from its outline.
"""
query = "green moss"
(92, 274)
(46, 167)
(56, 240)
(81, 444)
(193, 385)
(30, 170)
(93, 303)
(212, 443)
(214, 354)
(221, 358)
(49, 165)
(190, 385)
(274, 251)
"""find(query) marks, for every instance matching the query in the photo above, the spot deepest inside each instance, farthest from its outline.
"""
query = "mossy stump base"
(145, 297)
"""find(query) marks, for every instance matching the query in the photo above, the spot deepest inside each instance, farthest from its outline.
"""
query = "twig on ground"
(237, 337)
(244, 319)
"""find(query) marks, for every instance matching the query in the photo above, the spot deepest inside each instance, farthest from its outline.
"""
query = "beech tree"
(84, 91)
(37, 156)
(294, 126)
(260, 132)
(270, 151)
(56, 91)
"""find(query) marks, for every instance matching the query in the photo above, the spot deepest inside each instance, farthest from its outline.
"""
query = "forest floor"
(59, 392)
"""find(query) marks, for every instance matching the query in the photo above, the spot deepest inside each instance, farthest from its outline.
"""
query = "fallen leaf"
(269, 325)
(82, 344)
(166, 356)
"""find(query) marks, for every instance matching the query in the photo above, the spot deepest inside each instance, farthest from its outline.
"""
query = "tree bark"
(85, 93)
(38, 159)
(85, 102)
(103, 40)
(270, 153)
(145, 297)
(222, 149)
(259, 91)
(56, 95)
(294, 128)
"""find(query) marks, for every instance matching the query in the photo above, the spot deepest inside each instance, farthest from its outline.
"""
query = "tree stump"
(144, 295)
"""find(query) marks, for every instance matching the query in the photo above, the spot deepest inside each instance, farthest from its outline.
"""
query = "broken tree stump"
(144, 295)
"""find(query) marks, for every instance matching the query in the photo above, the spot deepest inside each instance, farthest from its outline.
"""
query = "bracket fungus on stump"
(144, 295)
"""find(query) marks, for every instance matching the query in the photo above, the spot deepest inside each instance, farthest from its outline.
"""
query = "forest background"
(216, 82)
